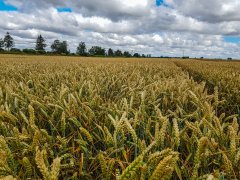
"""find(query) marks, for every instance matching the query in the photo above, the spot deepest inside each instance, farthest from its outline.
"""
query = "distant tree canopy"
(118, 53)
(82, 49)
(15, 50)
(29, 51)
(8, 41)
(127, 54)
(110, 52)
(59, 47)
(136, 55)
(40, 43)
(97, 51)
(1, 45)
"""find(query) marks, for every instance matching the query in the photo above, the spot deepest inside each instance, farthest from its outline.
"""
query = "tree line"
(61, 48)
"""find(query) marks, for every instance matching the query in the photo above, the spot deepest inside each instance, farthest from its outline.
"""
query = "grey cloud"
(115, 9)
(34, 5)
(213, 11)
(112, 9)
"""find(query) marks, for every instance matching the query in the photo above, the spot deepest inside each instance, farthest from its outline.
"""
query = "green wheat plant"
(106, 118)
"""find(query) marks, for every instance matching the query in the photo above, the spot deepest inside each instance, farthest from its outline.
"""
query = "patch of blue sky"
(6, 7)
(64, 9)
(159, 2)
(232, 39)
(162, 3)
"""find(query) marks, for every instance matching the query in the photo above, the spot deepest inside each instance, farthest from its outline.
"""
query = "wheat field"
(102, 118)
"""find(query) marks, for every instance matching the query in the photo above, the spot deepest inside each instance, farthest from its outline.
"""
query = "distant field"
(105, 118)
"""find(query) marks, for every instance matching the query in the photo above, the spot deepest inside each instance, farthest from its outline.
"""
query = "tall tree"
(136, 55)
(97, 51)
(8, 41)
(118, 53)
(40, 43)
(56, 46)
(82, 49)
(127, 54)
(1, 44)
(110, 52)
(64, 47)
(60, 47)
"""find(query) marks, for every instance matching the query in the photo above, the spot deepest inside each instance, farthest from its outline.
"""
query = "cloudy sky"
(209, 28)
